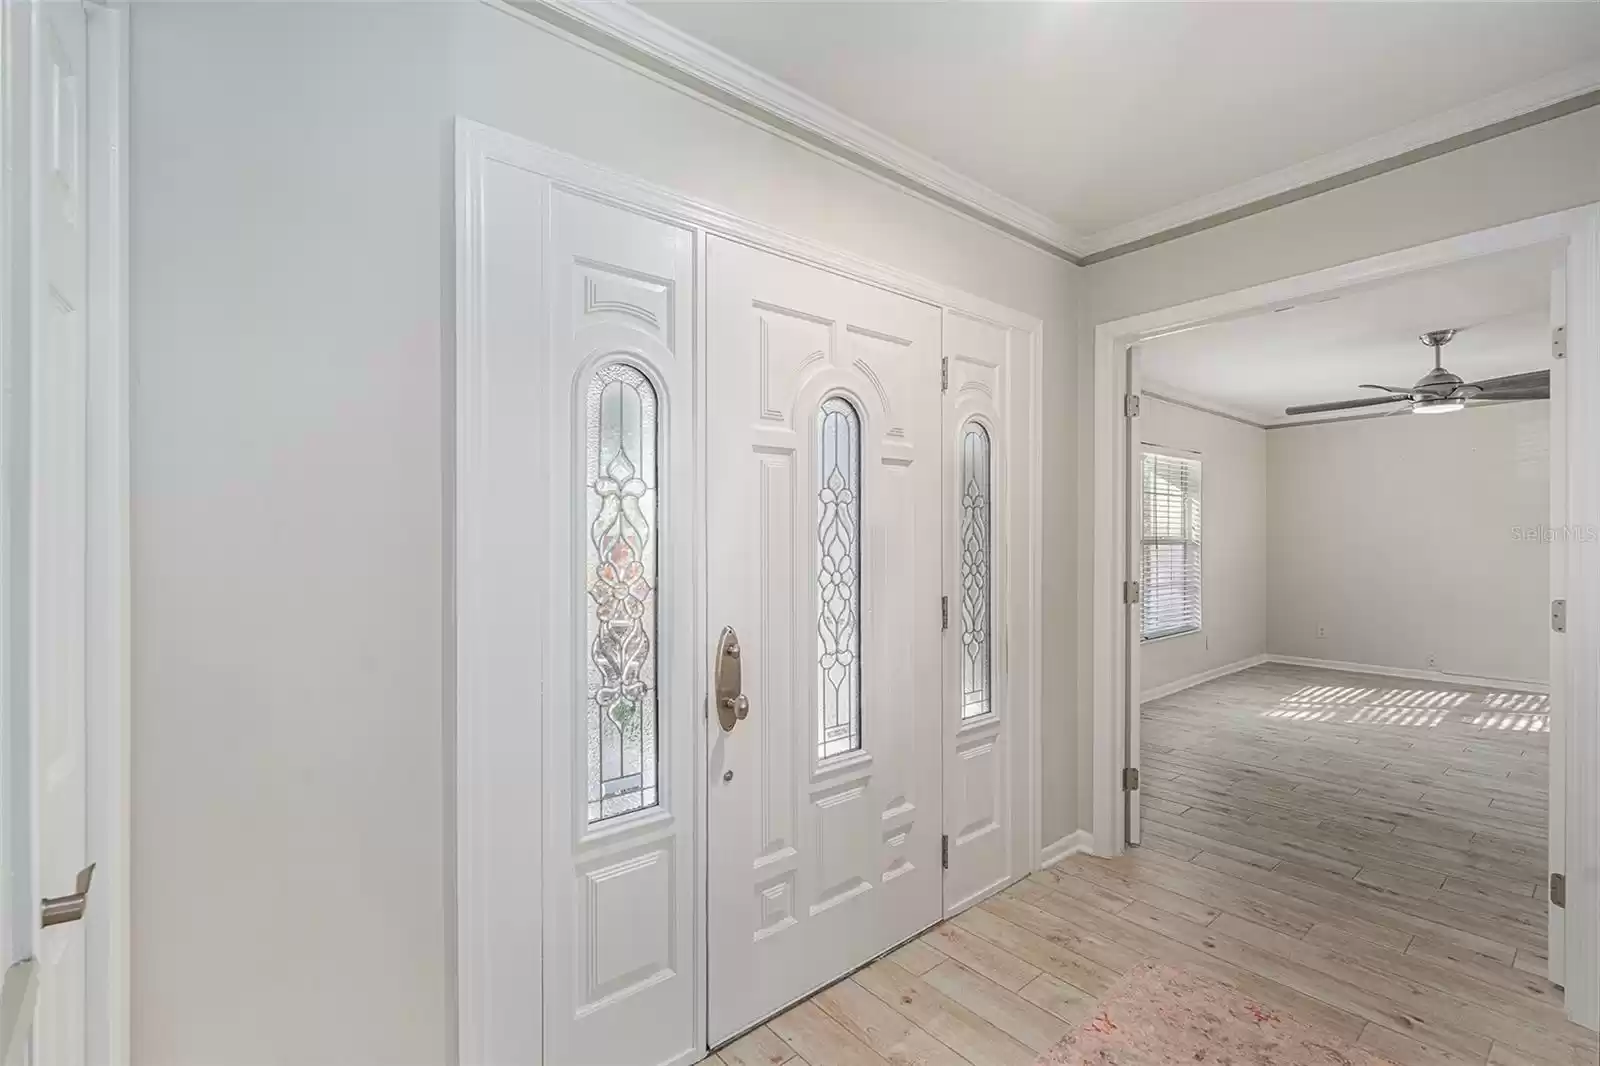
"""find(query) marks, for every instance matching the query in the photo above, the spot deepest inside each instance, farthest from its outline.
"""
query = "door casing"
(107, 571)
(492, 1014)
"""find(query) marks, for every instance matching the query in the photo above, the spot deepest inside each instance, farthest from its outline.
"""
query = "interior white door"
(980, 719)
(823, 554)
(1133, 520)
(620, 722)
(1556, 921)
(59, 509)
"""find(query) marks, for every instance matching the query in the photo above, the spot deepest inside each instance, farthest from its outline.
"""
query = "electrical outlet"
(1322, 632)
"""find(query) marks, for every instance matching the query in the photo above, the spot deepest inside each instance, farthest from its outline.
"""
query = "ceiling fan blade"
(1407, 391)
(1499, 395)
(1343, 405)
(1533, 379)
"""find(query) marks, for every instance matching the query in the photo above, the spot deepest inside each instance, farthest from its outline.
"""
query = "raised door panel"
(619, 682)
(823, 482)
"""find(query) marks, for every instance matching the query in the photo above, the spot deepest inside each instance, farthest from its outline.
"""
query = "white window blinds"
(1169, 591)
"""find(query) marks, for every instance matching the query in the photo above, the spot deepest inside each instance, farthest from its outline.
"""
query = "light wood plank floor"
(1365, 853)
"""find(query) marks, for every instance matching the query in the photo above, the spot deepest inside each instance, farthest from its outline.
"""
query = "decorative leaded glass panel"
(838, 578)
(976, 502)
(620, 420)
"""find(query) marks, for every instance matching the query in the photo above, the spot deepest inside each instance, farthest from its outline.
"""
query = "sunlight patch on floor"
(1411, 707)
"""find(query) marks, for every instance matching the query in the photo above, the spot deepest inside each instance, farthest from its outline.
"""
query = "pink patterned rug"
(1158, 1015)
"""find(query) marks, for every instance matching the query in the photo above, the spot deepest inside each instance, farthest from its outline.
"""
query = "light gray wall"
(1233, 566)
(1413, 542)
(1532, 172)
(291, 231)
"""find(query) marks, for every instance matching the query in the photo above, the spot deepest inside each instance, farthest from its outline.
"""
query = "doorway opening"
(1261, 539)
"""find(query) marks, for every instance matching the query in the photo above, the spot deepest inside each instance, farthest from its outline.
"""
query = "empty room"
(603, 533)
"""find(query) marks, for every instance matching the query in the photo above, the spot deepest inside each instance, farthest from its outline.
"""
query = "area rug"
(1159, 1015)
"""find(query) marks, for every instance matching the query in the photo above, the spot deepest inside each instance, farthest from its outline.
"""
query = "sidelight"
(838, 578)
(621, 548)
(976, 519)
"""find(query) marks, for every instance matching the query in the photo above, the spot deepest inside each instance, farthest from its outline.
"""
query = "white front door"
(58, 529)
(823, 554)
(1556, 915)
(1133, 528)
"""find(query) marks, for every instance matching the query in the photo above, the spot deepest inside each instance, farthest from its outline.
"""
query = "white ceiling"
(1255, 367)
(1103, 115)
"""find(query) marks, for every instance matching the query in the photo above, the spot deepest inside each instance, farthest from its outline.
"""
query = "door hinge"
(1130, 405)
(1558, 615)
(1130, 592)
(944, 612)
(1558, 342)
(944, 374)
(1558, 890)
(1130, 779)
(944, 852)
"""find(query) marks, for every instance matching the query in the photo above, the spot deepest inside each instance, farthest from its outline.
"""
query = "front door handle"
(732, 705)
(59, 909)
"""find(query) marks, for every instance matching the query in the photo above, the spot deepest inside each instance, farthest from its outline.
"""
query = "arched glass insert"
(976, 520)
(620, 421)
(838, 578)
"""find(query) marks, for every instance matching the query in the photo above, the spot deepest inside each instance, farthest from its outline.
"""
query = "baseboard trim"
(1439, 676)
(1201, 678)
(1071, 844)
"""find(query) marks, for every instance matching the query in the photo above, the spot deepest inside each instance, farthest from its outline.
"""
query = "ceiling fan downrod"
(1437, 339)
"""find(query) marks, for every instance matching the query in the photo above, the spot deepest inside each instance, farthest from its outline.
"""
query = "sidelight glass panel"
(976, 519)
(622, 583)
(838, 578)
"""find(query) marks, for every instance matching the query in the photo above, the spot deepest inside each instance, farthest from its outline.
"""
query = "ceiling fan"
(1439, 390)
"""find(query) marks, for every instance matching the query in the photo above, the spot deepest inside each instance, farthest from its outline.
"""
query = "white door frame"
(489, 932)
(1579, 230)
(107, 637)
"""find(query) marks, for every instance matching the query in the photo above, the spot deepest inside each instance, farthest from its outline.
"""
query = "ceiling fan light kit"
(1439, 391)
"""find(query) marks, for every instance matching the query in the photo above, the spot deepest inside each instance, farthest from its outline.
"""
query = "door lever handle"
(59, 909)
(738, 706)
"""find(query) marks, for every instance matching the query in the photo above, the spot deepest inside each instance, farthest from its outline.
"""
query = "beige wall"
(1413, 542)
(291, 224)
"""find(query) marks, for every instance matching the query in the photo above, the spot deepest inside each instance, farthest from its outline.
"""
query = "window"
(975, 521)
(620, 426)
(838, 578)
(1169, 590)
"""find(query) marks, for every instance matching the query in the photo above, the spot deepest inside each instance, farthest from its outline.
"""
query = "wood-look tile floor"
(1366, 853)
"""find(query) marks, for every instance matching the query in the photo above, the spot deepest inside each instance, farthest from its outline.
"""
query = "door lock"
(732, 705)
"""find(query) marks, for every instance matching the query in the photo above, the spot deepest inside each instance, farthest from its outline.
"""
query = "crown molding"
(820, 125)
(667, 52)
(1161, 392)
(1479, 115)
